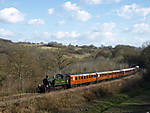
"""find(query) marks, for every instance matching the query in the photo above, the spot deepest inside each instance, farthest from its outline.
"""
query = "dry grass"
(49, 48)
(73, 100)
(78, 56)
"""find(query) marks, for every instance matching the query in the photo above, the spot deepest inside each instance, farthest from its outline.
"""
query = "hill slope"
(93, 98)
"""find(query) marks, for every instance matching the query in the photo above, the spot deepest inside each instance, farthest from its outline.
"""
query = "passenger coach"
(78, 79)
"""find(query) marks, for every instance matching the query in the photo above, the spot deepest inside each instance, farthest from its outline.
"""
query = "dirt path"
(20, 98)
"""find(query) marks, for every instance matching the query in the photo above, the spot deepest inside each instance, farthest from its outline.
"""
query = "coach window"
(84, 77)
(58, 76)
(76, 78)
(79, 77)
(87, 76)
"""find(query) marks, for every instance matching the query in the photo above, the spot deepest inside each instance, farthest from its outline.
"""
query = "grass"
(96, 98)
(136, 101)
(49, 48)
(79, 56)
(122, 103)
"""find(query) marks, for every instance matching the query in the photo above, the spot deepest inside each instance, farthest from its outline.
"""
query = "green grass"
(137, 101)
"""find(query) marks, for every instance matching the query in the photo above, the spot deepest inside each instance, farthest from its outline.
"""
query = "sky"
(76, 22)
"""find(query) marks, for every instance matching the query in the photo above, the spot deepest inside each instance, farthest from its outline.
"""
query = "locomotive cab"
(62, 80)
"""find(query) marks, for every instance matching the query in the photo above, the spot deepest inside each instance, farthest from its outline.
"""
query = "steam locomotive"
(73, 80)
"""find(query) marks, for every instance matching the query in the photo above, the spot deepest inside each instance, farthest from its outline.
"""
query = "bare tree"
(60, 60)
(46, 61)
(20, 65)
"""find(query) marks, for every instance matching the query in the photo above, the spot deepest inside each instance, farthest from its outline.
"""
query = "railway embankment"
(78, 99)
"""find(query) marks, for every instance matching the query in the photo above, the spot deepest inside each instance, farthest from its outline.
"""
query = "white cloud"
(105, 30)
(82, 15)
(126, 29)
(117, 1)
(70, 7)
(72, 34)
(105, 33)
(61, 22)
(96, 2)
(76, 12)
(11, 15)
(46, 34)
(4, 33)
(60, 34)
(51, 11)
(92, 1)
(129, 11)
(93, 34)
(36, 22)
(105, 27)
(141, 28)
(108, 26)
(143, 11)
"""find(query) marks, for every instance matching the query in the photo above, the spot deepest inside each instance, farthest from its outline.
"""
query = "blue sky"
(77, 22)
